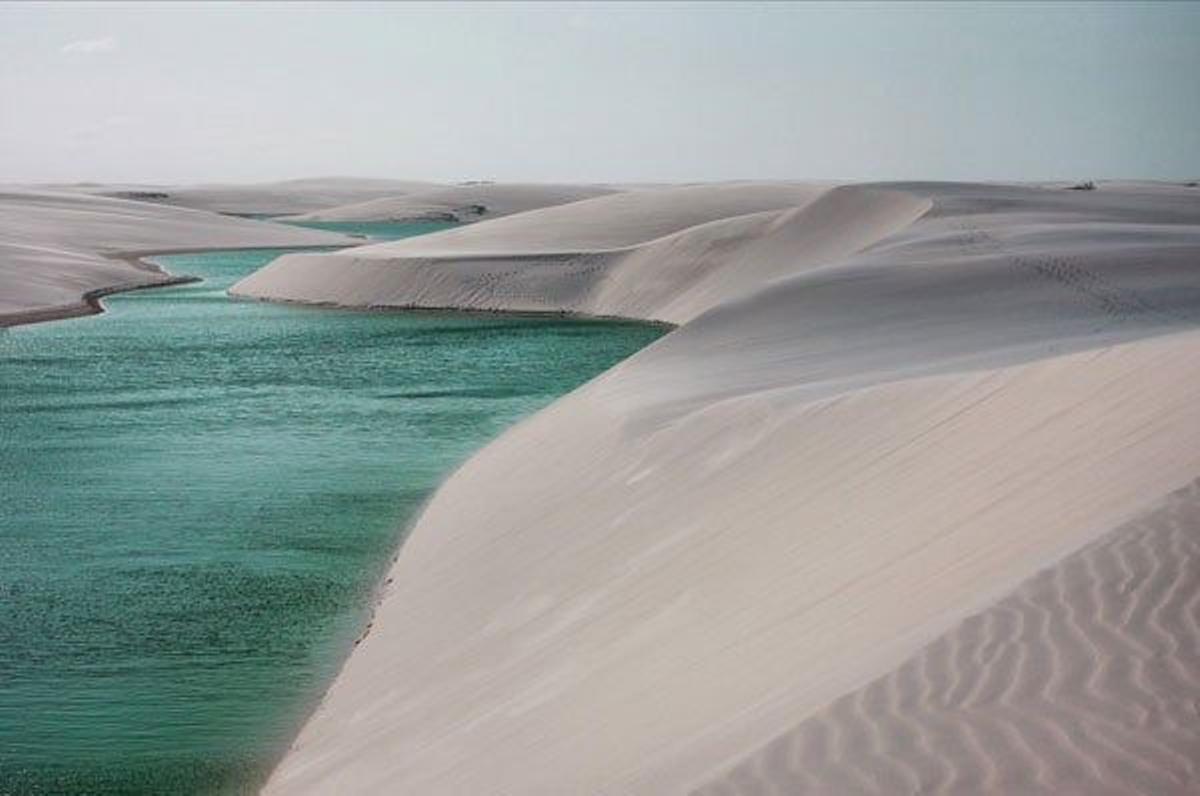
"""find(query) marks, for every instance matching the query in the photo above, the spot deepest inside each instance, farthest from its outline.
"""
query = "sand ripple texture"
(1086, 680)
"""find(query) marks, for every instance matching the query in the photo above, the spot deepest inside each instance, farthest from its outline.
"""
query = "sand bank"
(885, 410)
(60, 251)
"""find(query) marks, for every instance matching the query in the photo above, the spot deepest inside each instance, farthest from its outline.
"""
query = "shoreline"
(63, 250)
(379, 592)
(90, 302)
(458, 310)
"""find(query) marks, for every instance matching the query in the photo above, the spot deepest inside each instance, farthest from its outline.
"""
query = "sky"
(599, 92)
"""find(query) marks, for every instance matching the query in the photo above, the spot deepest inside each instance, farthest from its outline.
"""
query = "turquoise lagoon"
(199, 496)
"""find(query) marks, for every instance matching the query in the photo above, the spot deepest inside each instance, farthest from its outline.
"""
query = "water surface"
(198, 497)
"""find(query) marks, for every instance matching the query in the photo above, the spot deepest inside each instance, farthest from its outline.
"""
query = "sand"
(885, 513)
(287, 197)
(1070, 685)
(61, 250)
(601, 256)
(459, 203)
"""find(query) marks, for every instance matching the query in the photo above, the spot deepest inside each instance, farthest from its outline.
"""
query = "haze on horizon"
(595, 92)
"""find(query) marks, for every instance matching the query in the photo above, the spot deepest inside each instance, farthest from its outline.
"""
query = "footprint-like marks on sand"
(1114, 301)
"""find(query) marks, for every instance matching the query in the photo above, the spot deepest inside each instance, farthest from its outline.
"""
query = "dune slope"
(1070, 685)
(884, 410)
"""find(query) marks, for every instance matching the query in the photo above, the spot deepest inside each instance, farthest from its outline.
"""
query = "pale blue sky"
(599, 92)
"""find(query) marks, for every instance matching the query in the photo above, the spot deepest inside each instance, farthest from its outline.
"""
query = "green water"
(198, 497)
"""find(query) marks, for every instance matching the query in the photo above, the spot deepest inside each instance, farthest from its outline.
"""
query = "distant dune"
(265, 198)
(461, 203)
(888, 512)
(58, 249)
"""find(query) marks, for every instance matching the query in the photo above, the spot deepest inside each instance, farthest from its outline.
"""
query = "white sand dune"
(58, 249)
(644, 248)
(461, 203)
(885, 408)
(287, 197)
